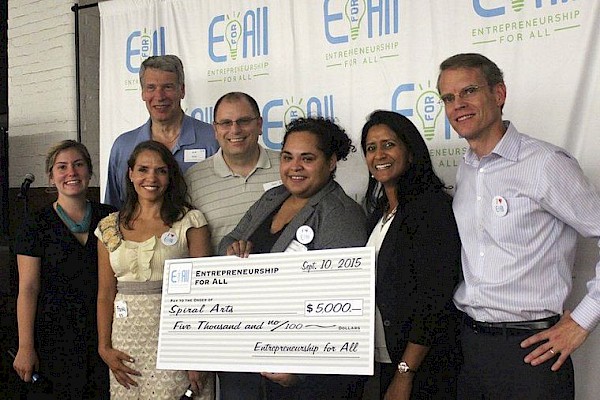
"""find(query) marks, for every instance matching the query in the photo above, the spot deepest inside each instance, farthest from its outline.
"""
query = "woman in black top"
(56, 306)
(418, 258)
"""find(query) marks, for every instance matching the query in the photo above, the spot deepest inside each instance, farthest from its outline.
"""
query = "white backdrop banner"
(346, 58)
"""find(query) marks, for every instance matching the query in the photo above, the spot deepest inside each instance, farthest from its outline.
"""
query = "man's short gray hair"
(167, 63)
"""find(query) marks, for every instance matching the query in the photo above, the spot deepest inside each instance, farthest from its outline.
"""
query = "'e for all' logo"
(143, 44)
(345, 20)
(239, 35)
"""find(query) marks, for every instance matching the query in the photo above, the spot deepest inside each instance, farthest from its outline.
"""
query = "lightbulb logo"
(233, 32)
(517, 5)
(279, 112)
(355, 11)
(429, 110)
(293, 112)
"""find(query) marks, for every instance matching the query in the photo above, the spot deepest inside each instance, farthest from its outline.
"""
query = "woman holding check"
(308, 201)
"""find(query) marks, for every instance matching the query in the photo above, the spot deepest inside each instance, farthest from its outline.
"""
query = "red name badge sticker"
(499, 206)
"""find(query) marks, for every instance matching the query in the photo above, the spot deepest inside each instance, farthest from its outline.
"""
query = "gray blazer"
(336, 219)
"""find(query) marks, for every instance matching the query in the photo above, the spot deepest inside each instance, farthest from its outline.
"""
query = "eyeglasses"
(241, 122)
(464, 94)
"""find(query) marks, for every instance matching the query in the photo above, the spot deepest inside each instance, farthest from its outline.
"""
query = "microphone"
(188, 394)
(29, 179)
(38, 380)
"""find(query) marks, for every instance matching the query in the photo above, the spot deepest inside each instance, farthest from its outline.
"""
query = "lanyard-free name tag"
(295, 246)
(194, 155)
(168, 238)
(120, 309)
(499, 206)
(271, 185)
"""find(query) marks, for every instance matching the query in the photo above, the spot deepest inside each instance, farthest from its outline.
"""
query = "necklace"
(386, 218)
(73, 226)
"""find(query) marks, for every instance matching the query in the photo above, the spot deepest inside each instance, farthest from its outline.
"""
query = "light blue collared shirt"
(518, 266)
(194, 135)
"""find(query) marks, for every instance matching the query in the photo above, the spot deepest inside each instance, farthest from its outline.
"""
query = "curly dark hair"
(418, 178)
(175, 203)
(332, 138)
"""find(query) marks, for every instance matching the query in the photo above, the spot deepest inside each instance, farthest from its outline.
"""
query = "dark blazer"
(417, 270)
(336, 219)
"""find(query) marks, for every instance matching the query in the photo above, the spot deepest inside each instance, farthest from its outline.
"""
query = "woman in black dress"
(58, 279)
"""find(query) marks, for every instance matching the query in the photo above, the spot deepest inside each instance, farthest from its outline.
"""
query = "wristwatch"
(403, 368)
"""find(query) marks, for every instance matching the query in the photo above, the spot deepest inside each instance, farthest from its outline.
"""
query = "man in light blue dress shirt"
(519, 205)
(190, 140)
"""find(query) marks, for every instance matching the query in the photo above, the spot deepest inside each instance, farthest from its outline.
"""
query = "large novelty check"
(297, 312)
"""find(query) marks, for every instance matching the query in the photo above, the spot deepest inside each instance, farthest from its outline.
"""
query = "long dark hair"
(418, 178)
(175, 203)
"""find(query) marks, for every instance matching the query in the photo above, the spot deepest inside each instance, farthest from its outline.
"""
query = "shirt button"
(387, 322)
(478, 198)
(481, 254)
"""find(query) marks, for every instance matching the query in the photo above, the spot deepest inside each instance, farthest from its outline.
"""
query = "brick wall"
(41, 80)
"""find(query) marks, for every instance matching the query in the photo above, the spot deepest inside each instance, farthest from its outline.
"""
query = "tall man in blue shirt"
(519, 205)
(163, 87)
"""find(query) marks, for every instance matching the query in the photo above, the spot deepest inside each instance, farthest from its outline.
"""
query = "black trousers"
(493, 368)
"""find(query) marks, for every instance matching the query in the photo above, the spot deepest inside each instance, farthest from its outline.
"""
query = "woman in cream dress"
(155, 224)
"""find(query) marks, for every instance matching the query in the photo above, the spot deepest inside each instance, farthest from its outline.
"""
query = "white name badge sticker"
(310, 312)
(169, 238)
(271, 185)
(194, 155)
(305, 234)
(120, 309)
(499, 206)
(296, 246)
